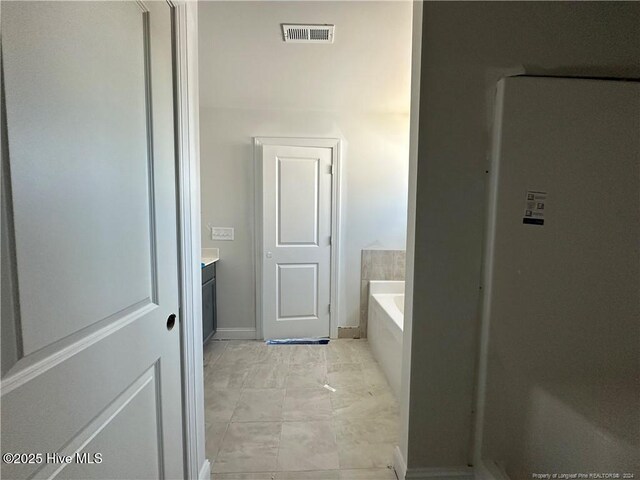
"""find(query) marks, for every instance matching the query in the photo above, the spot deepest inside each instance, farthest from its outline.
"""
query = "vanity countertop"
(208, 256)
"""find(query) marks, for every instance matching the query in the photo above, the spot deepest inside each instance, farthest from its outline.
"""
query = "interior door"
(90, 367)
(296, 256)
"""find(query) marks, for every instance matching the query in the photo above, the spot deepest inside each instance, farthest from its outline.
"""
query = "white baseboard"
(399, 464)
(235, 334)
(205, 471)
(407, 473)
(457, 473)
(448, 473)
(488, 470)
(485, 470)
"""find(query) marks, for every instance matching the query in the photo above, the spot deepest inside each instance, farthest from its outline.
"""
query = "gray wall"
(466, 48)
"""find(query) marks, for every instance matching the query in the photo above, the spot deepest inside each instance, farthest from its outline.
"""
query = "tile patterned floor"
(269, 417)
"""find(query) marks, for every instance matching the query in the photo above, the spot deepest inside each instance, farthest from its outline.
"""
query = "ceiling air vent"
(293, 33)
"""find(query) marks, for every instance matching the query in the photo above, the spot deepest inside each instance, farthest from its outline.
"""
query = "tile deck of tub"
(269, 417)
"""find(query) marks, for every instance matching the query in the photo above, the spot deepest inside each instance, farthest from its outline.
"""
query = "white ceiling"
(245, 64)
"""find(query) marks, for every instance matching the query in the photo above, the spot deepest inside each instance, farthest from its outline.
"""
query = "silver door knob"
(269, 254)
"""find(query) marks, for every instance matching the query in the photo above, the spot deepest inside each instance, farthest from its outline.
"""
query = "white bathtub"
(384, 328)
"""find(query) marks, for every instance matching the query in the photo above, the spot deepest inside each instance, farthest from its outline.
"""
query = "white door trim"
(197, 466)
(414, 137)
(335, 145)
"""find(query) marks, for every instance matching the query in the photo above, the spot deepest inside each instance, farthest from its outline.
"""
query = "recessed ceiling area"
(244, 62)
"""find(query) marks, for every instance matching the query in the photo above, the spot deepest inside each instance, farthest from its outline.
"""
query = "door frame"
(335, 145)
(187, 141)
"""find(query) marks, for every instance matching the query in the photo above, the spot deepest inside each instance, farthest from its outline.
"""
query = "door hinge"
(330, 169)
(330, 239)
(329, 308)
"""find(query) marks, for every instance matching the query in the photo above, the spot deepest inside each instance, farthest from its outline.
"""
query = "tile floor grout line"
(279, 443)
(226, 429)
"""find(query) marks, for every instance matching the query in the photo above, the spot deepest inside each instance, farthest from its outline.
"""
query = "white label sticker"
(534, 208)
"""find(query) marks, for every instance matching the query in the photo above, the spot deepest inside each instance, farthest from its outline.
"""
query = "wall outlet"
(222, 233)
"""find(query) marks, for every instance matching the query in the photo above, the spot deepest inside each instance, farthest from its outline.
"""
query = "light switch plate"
(222, 233)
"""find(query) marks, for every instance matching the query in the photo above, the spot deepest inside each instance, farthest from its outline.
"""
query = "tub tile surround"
(269, 416)
(378, 265)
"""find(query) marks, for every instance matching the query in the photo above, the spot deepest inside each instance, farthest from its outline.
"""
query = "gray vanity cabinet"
(209, 321)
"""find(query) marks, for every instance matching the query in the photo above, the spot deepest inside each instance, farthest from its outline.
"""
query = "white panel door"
(90, 223)
(296, 272)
